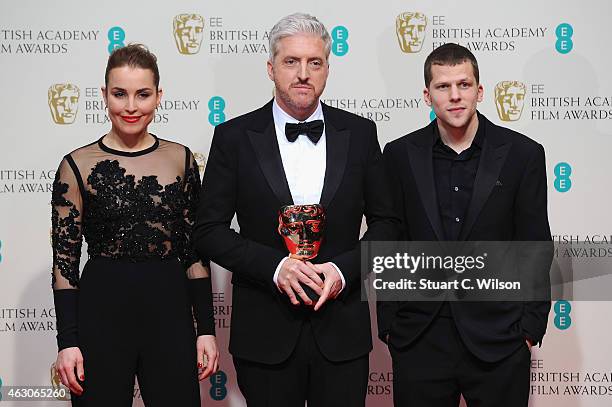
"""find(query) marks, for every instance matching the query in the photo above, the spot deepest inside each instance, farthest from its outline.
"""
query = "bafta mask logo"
(410, 28)
(56, 383)
(201, 161)
(64, 102)
(302, 228)
(188, 33)
(509, 100)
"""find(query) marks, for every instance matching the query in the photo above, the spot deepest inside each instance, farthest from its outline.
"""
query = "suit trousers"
(436, 369)
(306, 376)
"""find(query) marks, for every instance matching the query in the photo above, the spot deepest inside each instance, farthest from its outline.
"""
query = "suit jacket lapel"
(337, 146)
(268, 155)
(421, 161)
(494, 153)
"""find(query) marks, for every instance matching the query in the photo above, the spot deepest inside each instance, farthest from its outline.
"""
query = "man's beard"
(295, 104)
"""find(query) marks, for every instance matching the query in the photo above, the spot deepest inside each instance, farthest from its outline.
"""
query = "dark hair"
(449, 54)
(134, 56)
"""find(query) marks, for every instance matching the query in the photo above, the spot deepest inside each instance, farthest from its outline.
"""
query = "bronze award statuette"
(302, 227)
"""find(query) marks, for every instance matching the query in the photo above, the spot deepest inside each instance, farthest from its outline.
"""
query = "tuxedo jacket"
(508, 204)
(245, 176)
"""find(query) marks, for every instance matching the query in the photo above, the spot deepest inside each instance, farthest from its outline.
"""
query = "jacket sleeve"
(214, 237)
(531, 224)
(382, 222)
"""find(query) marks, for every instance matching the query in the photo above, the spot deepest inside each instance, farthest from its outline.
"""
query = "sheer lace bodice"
(128, 205)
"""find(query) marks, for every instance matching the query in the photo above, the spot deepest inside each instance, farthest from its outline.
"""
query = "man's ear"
(270, 69)
(427, 97)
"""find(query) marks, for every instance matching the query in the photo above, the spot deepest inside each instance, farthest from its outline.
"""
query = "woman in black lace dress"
(133, 197)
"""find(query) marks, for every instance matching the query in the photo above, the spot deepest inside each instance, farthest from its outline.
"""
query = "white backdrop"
(556, 50)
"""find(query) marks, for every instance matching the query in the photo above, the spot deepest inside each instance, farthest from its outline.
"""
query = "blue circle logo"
(216, 105)
(218, 389)
(562, 314)
(340, 46)
(116, 36)
(564, 33)
(563, 182)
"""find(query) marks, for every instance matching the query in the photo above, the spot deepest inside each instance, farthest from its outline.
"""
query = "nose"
(130, 107)
(191, 35)
(303, 73)
(513, 101)
(301, 232)
(454, 93)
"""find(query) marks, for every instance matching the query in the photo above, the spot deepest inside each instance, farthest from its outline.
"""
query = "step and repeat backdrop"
(544, 66)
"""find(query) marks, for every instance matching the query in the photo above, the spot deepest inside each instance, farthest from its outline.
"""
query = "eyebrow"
(308, 58)
(465, 79)
(139, 90)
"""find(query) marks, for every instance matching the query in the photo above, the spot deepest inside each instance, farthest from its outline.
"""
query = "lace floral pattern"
(122, 215)
(66, 236)
(135, 220)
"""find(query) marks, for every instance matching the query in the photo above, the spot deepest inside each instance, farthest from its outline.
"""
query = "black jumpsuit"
(134, 317)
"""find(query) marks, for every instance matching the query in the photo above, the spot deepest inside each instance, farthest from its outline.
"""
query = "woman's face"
(131, 97)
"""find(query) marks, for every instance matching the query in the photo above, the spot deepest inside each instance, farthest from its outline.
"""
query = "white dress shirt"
(304, 163)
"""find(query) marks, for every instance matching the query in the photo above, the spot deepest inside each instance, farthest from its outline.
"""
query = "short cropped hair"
(449, 54)
(298, 23)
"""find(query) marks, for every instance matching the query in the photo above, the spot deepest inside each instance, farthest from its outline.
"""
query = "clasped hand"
(295, 272)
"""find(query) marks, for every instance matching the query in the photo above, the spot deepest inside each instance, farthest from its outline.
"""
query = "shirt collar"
(281, 117)
(478, 138)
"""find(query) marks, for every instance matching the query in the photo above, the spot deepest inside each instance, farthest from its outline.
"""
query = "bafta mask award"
(64, 102)
(302, 228)
(188, 33)
(509, 100)
(410, 29)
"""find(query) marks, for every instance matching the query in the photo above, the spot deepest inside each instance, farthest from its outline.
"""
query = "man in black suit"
(287, 347)
(462, 178)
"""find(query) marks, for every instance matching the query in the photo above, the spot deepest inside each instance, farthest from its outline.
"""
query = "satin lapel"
(337, 146)
(421, 162)
(268, 155)
(491, 163)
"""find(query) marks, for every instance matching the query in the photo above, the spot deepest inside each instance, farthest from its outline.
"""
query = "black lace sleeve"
(191, 191)
(198, 272)
(66, 212)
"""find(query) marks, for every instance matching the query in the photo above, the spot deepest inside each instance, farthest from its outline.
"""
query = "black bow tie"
(313, 129)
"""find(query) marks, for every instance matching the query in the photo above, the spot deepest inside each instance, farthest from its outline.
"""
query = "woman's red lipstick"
(131, 119)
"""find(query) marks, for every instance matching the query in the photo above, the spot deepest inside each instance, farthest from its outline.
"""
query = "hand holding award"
(302, 228)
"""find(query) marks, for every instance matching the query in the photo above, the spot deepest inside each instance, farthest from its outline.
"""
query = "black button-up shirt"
(454, 176)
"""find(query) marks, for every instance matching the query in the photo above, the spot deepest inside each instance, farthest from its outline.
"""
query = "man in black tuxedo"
(287, 347)
(462, 178)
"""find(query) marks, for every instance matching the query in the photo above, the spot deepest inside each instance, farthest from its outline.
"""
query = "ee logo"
(0, 389)
(218, 391)
(116, 36)
(564, 33)
(339, 36)
(432, 115)
(563, 171)
(562, 314)
(216, 105)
